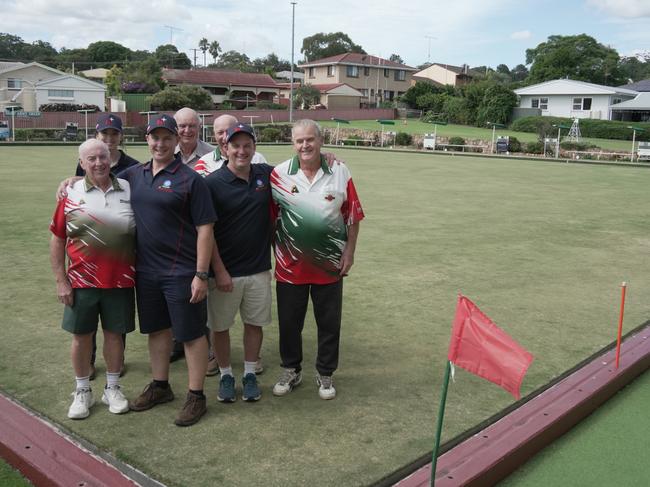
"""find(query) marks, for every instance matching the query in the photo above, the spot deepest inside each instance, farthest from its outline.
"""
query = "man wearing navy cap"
(241, 259)
(174, 218)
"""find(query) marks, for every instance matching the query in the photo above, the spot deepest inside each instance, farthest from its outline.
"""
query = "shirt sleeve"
(351, 209)
(201, 206)
(57, 225)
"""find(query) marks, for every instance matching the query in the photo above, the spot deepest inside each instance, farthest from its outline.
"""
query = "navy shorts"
(164, 302)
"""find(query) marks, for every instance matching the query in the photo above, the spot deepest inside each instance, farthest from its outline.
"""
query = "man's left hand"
(199, 290)
(331, 158)
(346, 262)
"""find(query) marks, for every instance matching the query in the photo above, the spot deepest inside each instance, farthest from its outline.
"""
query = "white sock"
(83, 382)
(225, 370)
(249, 367)
(112, 379)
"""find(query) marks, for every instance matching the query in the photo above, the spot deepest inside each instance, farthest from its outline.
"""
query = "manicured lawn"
(541, 247)
(417, 127)
(10, 477)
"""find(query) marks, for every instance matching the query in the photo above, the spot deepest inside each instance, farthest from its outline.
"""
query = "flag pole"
(441, 413)
(620, 323)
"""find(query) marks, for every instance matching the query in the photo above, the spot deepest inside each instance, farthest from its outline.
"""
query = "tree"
(107, 52)
(496, 106)
(176, 97)
(168, 56)
(578, 57)
(203, 45)
(418, 89)
(215, 50)
(10, 46)
(234, 60)
(396, 58)
(305, 96)
(113, 81)
(503, 69)
(634, 69)
(519, 73)
(323, 45)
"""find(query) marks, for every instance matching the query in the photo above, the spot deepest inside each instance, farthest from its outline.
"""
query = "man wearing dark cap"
(174, 218)
(241, 259)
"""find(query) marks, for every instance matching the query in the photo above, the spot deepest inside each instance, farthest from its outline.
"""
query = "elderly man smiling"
(190, 147)
(94, 224)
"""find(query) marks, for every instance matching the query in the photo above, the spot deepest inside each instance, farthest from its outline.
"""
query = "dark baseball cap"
(108, 121)
(163, 122)
(240, 128)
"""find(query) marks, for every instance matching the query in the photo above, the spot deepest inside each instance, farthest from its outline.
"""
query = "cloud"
(622, 8)
(521, 35)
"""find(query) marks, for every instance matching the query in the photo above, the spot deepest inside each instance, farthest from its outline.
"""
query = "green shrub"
(514, 145)
(534, 147)
(579, 146)
(267, 105)
(602, 129)
(456, 141)
(402, 138)
(270, 134)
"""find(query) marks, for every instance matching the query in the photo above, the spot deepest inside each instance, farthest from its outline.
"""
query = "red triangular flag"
(482, 348)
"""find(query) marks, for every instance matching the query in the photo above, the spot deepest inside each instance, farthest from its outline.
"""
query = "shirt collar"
(172, 167)
(295, 165)
(115, 185)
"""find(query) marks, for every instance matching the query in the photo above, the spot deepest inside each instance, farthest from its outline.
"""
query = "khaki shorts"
(251, 296)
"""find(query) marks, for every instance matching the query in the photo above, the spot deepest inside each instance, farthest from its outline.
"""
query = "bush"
(514, 145)
(267, 105)
(456, 141)
(270, 134)
(402, 138)
(534, 147)
(579, 146)
(176, 97)
(603, 129)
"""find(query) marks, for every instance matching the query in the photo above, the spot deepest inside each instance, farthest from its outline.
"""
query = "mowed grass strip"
(541, 247)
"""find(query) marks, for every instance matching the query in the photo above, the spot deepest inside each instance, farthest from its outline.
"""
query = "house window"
(60, 93)
(543, 103)
(14, 83)
(534, 103)
(311, 72)
(352, 71)
(386, 72)
(366, 71)
(389, 95)
(616, 101)
(400, 75)
(330, 70)
(582, 103)
(364, 92)
(372, 92)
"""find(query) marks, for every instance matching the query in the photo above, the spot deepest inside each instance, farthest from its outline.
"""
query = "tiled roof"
(643, 85)
(209, 77)
(356, 58)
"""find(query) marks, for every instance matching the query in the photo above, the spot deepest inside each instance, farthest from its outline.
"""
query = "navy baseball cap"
(163, 122)
(240, 128)
(108, 121)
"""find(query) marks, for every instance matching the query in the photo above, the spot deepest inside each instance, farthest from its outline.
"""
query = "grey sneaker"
(287, 381)
(325, 386)
(251, 391)
(226, 389)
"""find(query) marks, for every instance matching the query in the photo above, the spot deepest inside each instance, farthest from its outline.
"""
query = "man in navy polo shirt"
(241, 259)
(174, 218)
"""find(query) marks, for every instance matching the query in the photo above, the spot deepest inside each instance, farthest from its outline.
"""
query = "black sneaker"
(226, 389)
(251, 391)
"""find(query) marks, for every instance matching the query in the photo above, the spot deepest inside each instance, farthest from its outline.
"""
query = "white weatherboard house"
(32, 85)
(573, 99)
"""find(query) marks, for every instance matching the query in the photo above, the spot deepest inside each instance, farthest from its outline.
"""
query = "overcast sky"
(476, 32)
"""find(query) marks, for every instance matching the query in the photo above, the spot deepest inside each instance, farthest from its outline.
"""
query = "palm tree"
(203, 45)
(214, 49)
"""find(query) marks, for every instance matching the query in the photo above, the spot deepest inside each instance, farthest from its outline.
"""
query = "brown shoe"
(192, 411)
(213, 368)
(151, 396)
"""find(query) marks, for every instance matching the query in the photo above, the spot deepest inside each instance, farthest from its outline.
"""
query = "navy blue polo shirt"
(123, 163)
(168, 208)
(243, 228)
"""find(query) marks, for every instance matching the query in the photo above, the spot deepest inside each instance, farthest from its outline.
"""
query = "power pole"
(171, 32)
(293, 26)
(429, 52)
(194, 50)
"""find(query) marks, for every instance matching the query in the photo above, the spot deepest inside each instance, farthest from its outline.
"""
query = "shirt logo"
(260, 186)
(166, 186)
(294, 189)
(329, 197)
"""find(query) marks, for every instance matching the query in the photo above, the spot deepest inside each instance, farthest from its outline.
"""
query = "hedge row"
(602, 129)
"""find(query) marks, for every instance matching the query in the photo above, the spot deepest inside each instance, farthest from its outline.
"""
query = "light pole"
(494, 127)
(13, 110)
(435, 131)
(85, 112)
(634, 131)
(293, 25)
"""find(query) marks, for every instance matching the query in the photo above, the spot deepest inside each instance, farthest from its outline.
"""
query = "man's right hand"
(62, 190)
(224, 281)
(65, 293)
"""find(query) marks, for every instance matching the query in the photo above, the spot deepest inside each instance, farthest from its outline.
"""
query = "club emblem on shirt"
(260, 186)
(166, 186)
(294, 189)
(329, 197)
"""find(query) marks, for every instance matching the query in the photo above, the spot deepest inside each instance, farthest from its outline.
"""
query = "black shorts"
(164, 302)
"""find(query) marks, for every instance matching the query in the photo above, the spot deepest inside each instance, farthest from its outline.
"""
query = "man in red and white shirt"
(318, 215)
(94, 224)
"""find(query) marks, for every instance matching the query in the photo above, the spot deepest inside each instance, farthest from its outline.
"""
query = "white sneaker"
(287, 381)
(115, 400)
(259, 366)
(325, 387)
(81, 404)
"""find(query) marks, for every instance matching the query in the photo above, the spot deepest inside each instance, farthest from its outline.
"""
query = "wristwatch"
(202, 275)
